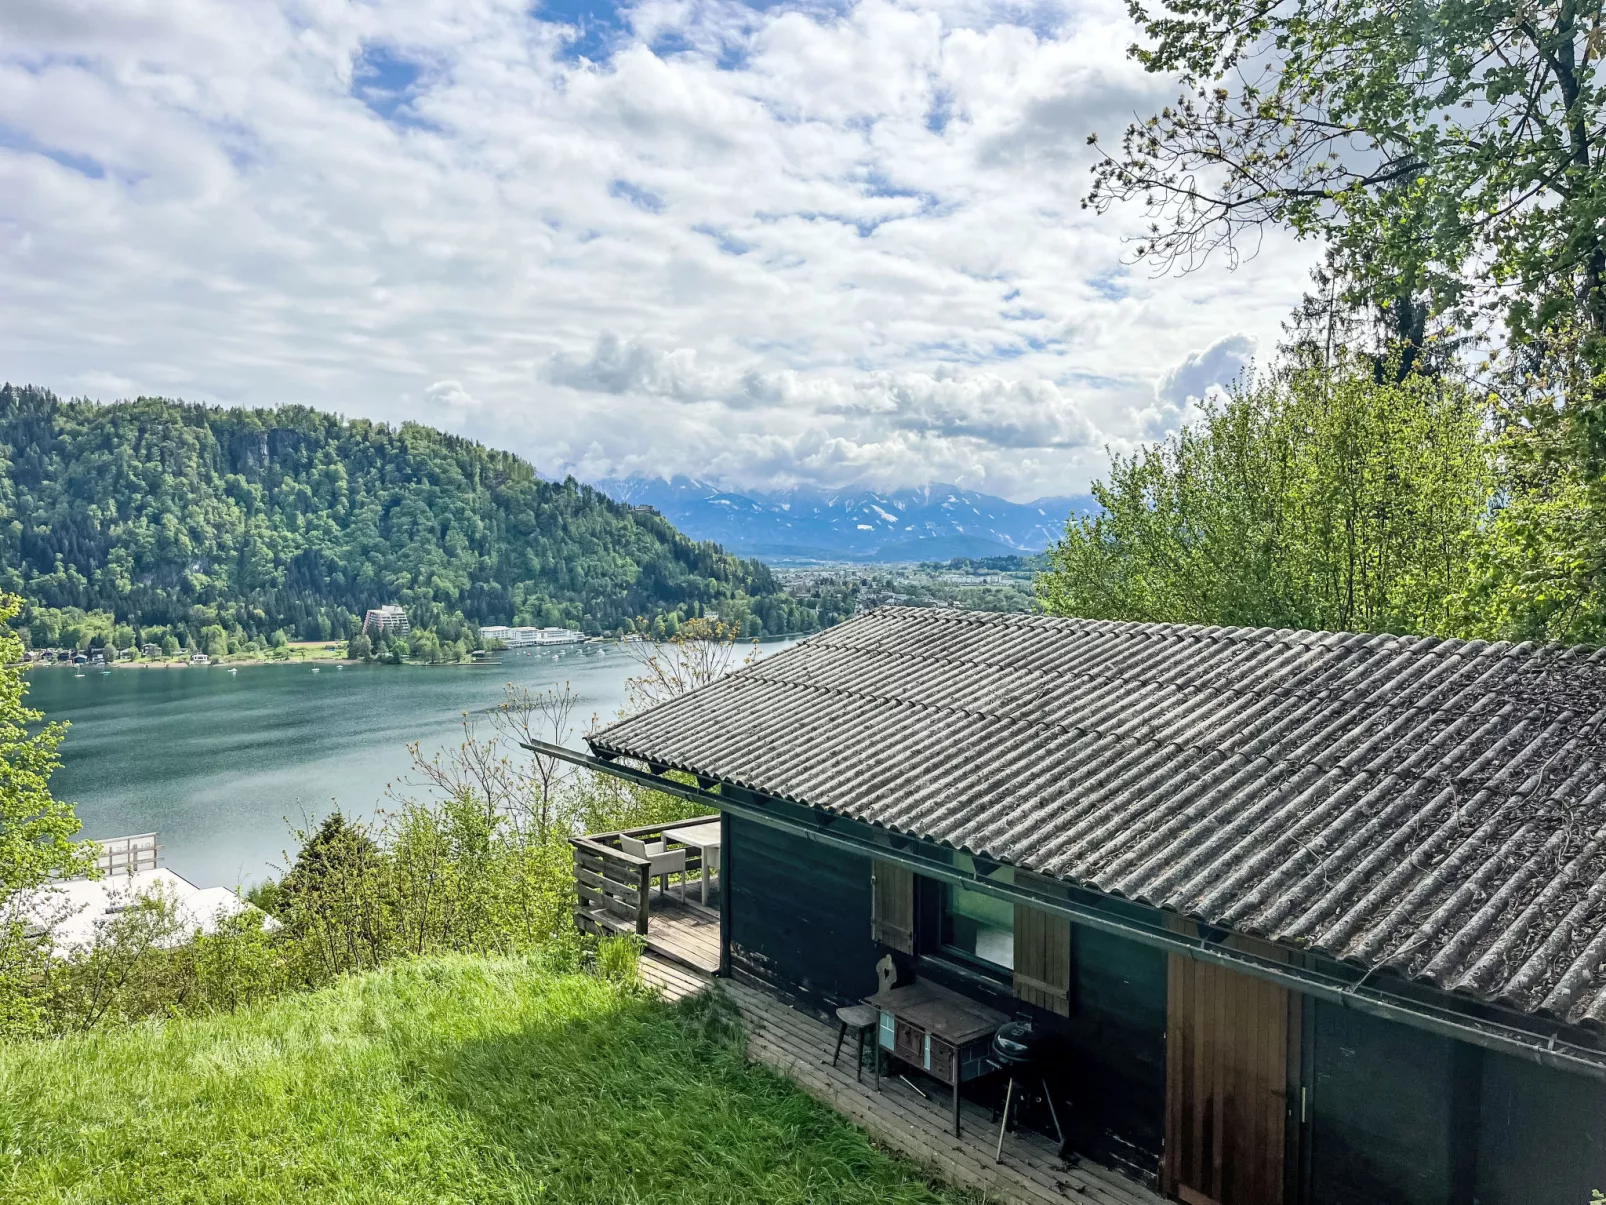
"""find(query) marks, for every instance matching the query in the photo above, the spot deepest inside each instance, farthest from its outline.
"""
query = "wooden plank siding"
(798, 919)
(1042, 974)
(1226, 1086)
(892, 906)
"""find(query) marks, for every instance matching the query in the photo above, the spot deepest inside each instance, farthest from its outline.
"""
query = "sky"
(760, 244)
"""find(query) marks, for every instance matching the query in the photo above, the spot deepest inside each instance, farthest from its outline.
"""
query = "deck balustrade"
(613, 893)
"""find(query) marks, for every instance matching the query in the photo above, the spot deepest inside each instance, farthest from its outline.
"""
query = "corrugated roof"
(1437, 807)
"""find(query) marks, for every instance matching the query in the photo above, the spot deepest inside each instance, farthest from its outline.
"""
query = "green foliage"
(1536, 573)
(35, 831)
(1453, 159)
(1453, 151)
(1301, 502)
(288, 523)
(619, 958)
(443, 1079)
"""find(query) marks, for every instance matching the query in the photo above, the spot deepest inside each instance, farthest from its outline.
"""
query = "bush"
(619, 958)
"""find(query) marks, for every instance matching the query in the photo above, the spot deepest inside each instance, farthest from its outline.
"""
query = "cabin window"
(979, 928)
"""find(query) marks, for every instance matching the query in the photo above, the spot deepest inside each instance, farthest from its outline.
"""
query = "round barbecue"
(1018, 1045)
(1019, 1050)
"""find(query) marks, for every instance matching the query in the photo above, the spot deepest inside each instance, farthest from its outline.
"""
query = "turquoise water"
(220, 764)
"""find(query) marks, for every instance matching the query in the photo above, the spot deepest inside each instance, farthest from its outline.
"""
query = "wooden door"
(1226, 1086)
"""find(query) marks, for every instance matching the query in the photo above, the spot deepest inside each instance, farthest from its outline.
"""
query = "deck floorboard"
(687, 933)
(799, 1047)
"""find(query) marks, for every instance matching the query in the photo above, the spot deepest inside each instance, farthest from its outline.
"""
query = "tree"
(1455, 152)
(358, 648)
(332, 897)
(214, 640)
(1302, 501)
(36, 830)
(702, 651)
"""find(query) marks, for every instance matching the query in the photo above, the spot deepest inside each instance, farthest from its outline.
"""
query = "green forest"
(154, 521)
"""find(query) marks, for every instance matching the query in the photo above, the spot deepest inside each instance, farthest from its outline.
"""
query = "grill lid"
(1017, 1042)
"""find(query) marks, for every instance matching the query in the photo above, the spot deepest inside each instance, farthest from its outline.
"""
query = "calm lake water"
(216, 763)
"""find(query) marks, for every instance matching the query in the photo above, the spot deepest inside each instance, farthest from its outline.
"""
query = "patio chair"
(663, 862)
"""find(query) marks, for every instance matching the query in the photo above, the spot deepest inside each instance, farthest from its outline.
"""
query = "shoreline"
(176, 664)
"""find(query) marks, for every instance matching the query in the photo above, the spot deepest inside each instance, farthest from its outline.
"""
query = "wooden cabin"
(1317, 917)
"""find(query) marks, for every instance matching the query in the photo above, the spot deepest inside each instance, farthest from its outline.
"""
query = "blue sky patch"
(600, 25)
(877, 185)
(865, 226)
(724, 240)
(1045, 18)
(19, 140)
(1109, 285)
(641, 198)
(387, 82)
(941, 111)
(671, 42)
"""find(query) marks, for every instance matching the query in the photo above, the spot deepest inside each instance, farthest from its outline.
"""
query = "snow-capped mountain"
(932, 522)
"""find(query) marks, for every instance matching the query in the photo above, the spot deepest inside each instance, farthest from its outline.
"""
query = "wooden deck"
(799, 1047)
(686, 933)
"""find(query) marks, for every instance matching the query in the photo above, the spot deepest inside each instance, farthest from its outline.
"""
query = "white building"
(386, 620)
(77, 912)
(525, 637)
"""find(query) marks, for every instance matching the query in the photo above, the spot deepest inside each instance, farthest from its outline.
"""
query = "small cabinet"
(938, 1031)
(908, 1042)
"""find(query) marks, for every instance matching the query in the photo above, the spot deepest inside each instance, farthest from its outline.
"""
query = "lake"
(215, 763)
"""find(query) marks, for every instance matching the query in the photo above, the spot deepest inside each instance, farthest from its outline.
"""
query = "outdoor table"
(946, 1035)
(703, 837)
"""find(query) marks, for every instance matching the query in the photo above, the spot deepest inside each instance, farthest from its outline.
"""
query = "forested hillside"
(164, 518)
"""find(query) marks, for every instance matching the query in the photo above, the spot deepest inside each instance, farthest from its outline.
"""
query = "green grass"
(461, 1079)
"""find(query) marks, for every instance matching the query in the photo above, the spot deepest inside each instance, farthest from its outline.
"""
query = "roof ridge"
(1263, 635)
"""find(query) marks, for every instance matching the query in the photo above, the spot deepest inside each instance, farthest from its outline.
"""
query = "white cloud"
(764, 245)
(451, 396)
(1216, 367)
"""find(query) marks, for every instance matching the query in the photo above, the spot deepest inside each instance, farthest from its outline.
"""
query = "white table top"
(704, 836)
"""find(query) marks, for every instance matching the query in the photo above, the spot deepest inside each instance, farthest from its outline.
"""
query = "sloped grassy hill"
(459, 1079)
(181, 515)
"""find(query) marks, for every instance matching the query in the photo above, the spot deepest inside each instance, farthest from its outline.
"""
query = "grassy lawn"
(462, 1079)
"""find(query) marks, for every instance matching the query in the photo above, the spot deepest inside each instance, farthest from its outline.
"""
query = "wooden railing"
(611, 886)
(126, 855)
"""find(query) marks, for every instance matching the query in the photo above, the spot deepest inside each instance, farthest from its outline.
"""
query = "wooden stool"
(862, 1019)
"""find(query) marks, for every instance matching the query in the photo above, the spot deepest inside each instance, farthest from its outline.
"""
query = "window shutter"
(1043, 959)
(892, 906)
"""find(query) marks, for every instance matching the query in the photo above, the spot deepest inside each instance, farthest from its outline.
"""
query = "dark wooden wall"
(1380, 1110)
(799, 919)
(1542, 1135)
(1116, 1033)
(1395, 1115)
(1399, 1116)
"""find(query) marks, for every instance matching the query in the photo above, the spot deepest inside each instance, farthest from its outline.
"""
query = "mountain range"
(933, 522)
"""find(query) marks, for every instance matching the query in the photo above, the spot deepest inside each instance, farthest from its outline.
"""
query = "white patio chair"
(662, 862)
